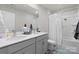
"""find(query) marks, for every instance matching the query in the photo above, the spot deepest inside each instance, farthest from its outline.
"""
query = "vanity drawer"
(27, 50)
(20, 45)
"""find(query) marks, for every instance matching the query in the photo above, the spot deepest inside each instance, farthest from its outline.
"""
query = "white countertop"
(19, 38)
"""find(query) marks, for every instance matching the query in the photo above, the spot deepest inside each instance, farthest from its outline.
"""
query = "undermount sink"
(13, 38)
(19, 36)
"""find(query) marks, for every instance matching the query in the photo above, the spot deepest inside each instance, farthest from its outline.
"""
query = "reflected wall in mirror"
(26, 19)
(7, 20)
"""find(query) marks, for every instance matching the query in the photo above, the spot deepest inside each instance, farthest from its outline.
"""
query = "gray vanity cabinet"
(36, 45)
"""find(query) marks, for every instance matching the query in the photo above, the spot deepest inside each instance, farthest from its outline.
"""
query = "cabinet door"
(39, 49)
(45, 45)
(27, 50)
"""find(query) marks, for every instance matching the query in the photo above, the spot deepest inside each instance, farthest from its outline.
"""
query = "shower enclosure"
(62, 27)
(69, 22)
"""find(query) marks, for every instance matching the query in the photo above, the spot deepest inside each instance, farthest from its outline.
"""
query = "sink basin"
(18, 37)
(13, 38)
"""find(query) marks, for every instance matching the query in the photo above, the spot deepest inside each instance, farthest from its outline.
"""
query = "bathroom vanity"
(35, 43)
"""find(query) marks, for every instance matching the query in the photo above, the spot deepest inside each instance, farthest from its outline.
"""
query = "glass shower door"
(69, 43)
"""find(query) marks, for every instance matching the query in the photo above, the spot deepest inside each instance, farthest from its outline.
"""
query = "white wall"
(42, 18)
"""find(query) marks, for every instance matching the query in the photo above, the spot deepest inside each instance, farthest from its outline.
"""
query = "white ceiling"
(24, 7)
(21, 7)
(57, 7)
(52, 7)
